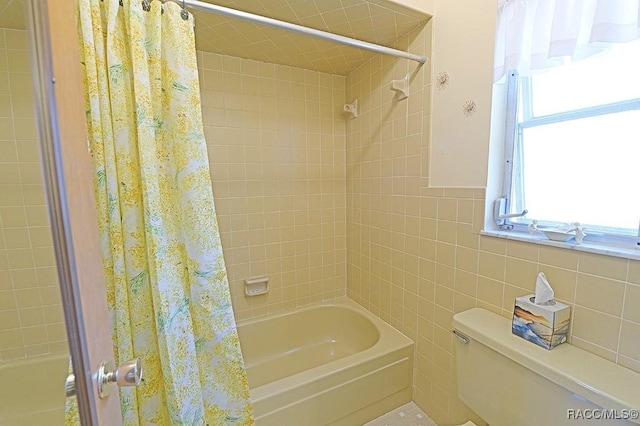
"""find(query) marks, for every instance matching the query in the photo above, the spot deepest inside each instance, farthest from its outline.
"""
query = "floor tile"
(407, 415)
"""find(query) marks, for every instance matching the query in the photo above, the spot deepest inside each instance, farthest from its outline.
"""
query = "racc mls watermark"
(602, 414)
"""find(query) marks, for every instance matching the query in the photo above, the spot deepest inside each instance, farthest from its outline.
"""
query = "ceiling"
(375, 21)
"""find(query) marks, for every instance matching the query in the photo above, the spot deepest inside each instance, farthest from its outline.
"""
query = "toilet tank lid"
(602, 382)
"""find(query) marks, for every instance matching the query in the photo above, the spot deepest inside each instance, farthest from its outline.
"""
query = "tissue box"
(545, 325)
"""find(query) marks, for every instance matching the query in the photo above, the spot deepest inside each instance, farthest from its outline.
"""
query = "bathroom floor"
(407, 415)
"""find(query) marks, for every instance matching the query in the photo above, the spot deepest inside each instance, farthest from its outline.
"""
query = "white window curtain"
(537, 34)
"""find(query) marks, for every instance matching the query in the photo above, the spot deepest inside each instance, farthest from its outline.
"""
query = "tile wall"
(31, 316)
(415, 256)
(276, 140)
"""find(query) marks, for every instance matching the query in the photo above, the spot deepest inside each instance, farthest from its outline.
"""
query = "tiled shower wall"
(276, 140)
(31, 317)
(415, 256)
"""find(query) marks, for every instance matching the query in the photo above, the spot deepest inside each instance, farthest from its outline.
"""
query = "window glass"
(610, 76)
(584, 170)
(576, 151)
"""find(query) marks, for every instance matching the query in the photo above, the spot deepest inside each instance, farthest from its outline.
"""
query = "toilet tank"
(509, 381)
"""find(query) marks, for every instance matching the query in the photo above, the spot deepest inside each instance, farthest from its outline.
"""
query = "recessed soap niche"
(255, 286)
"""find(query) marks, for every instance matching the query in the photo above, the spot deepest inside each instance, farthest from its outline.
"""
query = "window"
(573, 146)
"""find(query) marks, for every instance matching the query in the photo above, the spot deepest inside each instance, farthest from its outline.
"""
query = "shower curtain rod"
(225, 11)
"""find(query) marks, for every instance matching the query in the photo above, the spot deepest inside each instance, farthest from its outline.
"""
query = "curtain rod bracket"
(401, 87)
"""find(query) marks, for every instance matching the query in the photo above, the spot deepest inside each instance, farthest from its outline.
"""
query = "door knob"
(127, 374)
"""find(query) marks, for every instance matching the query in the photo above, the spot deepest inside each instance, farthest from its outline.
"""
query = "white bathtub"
(32, 391)
(328, 364)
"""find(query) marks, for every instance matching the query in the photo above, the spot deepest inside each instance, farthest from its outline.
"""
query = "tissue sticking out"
(544, 293)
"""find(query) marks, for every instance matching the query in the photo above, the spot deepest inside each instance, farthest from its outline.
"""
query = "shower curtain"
(166, 281)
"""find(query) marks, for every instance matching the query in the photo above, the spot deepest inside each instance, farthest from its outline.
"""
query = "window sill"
(587, 247)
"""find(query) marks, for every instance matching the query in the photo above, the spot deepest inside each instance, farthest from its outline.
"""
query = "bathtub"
(333, 363)
(32, 391)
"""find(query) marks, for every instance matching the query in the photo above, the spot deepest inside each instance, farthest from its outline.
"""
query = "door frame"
(68, 176)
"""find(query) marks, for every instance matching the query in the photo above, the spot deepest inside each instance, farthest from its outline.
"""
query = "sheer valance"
(537, 34)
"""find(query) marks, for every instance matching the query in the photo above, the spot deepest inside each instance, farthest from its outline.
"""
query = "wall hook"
(401, 87)
(351, 108)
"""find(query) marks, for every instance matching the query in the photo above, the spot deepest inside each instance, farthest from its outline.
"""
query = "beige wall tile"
(28, 298)
(493, 245)
(521, 273)
(13, 217)
(603, 266)
(18, 61)
(466, 236)
(632, 303)
(447, 209)
(4, 82)
(20, 84)
(634, 271)
(30, 317)
(467, 259)
(36, 335)
(16, 39)
(20, 258)
(601, 294)
(5, 277)
(25, 234)
(23, 106)
(11, 339)
(629, 363)
(630, 340)
(447, 231)
(491, 265)
(275, 157)
(594, 349)
(561, 258)
(596, 327)
(522, 250)
(5, 104)
(16, 238)
(9, 319)
(446, 254)
(491, 292)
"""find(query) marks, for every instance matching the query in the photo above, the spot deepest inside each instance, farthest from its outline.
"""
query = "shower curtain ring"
(184, 14)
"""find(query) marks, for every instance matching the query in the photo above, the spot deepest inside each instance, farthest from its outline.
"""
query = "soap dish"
(254, 286)
(556, 234)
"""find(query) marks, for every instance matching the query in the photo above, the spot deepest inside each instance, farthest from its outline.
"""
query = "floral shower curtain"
(166, 281)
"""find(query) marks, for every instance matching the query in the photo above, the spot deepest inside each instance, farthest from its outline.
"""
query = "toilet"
(509, 381)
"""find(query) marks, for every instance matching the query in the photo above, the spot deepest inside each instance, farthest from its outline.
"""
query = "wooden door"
(69, 181)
